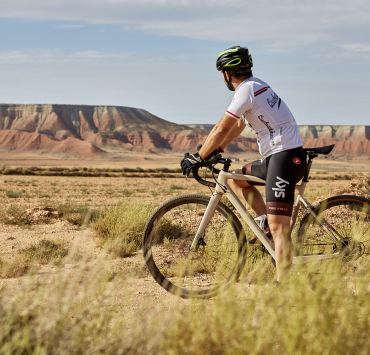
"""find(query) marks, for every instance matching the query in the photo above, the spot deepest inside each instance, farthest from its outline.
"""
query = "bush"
(44, 252)
(120, 228)
(15, 268)
(13, 194)
(15, 215)
(77, 215)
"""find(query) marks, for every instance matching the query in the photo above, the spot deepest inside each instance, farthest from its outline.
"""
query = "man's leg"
(248, 193)
(280, 230)
(285, 169)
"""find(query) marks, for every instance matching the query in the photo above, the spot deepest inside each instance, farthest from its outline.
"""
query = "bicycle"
(196, 246)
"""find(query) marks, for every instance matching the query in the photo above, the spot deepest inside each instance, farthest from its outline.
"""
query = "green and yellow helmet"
(235, 59)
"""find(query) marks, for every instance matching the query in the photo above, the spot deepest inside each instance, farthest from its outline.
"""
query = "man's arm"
(220, 132)
(233, 133)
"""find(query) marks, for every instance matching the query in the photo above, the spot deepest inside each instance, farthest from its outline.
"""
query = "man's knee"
(279, 225)
(241, 183)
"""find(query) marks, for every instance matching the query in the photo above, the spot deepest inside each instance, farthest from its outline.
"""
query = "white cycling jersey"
(267, 114)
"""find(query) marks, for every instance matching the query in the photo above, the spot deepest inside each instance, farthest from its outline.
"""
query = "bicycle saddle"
(320, 150)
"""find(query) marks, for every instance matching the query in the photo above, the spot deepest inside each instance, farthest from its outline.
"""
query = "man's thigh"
(256, 168)
(282, 176)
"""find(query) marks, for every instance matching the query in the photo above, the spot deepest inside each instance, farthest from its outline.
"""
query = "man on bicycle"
(284, 160)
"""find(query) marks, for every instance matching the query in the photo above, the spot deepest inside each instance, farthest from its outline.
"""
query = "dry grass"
(110, 306)
(17, 267)
(67, 315)
(297, 317)
(14, 194)
(120, 228)
(75, 313)
(44, 252)
(21, 215)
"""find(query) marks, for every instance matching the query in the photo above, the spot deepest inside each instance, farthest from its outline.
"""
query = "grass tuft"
(77, 215)
(120, 228)
(44, 252)
(14, 268)
(14, 194)
(15, 215)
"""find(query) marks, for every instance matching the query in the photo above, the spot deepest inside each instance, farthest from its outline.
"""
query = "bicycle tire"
(350, 217)
(169, 224)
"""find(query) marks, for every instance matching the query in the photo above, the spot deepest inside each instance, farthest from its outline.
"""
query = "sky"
(160, 55)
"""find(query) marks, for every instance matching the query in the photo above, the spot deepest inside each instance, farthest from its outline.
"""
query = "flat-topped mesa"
(101, 126)
(93, 129)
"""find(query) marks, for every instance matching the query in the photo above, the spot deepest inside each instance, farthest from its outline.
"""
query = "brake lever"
(215, 159)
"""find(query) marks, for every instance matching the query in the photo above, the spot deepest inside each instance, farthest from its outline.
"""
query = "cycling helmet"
(236, 60)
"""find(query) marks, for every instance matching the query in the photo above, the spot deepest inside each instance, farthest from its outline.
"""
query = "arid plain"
(50, 244)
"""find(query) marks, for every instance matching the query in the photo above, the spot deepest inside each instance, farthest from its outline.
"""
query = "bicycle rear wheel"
(348, 216)
(201, 273)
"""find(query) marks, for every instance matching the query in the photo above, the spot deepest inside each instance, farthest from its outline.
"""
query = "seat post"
(309, 164)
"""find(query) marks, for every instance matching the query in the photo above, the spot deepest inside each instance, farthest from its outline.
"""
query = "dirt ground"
(35, 193)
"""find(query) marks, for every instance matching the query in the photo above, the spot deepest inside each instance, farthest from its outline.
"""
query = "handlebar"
(210, 163)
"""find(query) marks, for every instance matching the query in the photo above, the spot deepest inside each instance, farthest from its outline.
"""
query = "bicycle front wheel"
(341, 228)
(216, 261)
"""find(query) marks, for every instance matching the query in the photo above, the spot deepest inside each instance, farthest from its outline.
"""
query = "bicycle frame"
(222, 188)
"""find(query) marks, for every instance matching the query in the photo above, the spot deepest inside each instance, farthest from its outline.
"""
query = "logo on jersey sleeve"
(273, 100)
(297, 161)
(281, 184)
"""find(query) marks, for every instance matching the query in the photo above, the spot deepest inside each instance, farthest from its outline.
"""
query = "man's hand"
(218, 150)
(189, 162)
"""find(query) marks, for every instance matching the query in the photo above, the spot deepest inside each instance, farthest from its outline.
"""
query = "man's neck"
(237, 81)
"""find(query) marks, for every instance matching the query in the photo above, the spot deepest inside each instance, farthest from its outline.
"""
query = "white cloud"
(55, 56)
(363, 48)
(273, 23)
(70, 26)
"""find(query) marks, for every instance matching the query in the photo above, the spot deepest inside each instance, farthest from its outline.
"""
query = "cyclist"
(284, 160)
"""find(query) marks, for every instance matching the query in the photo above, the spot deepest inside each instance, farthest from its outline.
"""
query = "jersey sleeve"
(241, 102)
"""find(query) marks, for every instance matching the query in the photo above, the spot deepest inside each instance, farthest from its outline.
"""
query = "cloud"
(363, 48)
(56, 56)
(275, 24)
(70, 26)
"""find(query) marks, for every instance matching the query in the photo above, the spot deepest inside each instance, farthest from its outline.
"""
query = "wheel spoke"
(349, 218)
(193, 272)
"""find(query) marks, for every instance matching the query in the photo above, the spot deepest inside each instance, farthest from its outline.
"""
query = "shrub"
(13, 194)
(15, 215)
(44, 252)
(120, 228)
(77, 215)
(14, 268)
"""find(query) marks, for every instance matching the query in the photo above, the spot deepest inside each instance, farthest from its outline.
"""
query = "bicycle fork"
(210, 210)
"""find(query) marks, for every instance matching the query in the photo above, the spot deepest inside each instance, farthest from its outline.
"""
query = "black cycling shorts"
(281, 171)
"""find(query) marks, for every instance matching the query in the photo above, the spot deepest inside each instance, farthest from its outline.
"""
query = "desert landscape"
(78, 184)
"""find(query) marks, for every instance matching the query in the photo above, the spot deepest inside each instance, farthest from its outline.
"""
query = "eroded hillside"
(89, 131)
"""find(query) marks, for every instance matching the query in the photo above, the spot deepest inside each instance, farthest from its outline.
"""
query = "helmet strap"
(228, 82)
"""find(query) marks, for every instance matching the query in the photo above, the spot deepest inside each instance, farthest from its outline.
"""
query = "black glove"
(189, 162)
(218, 150)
